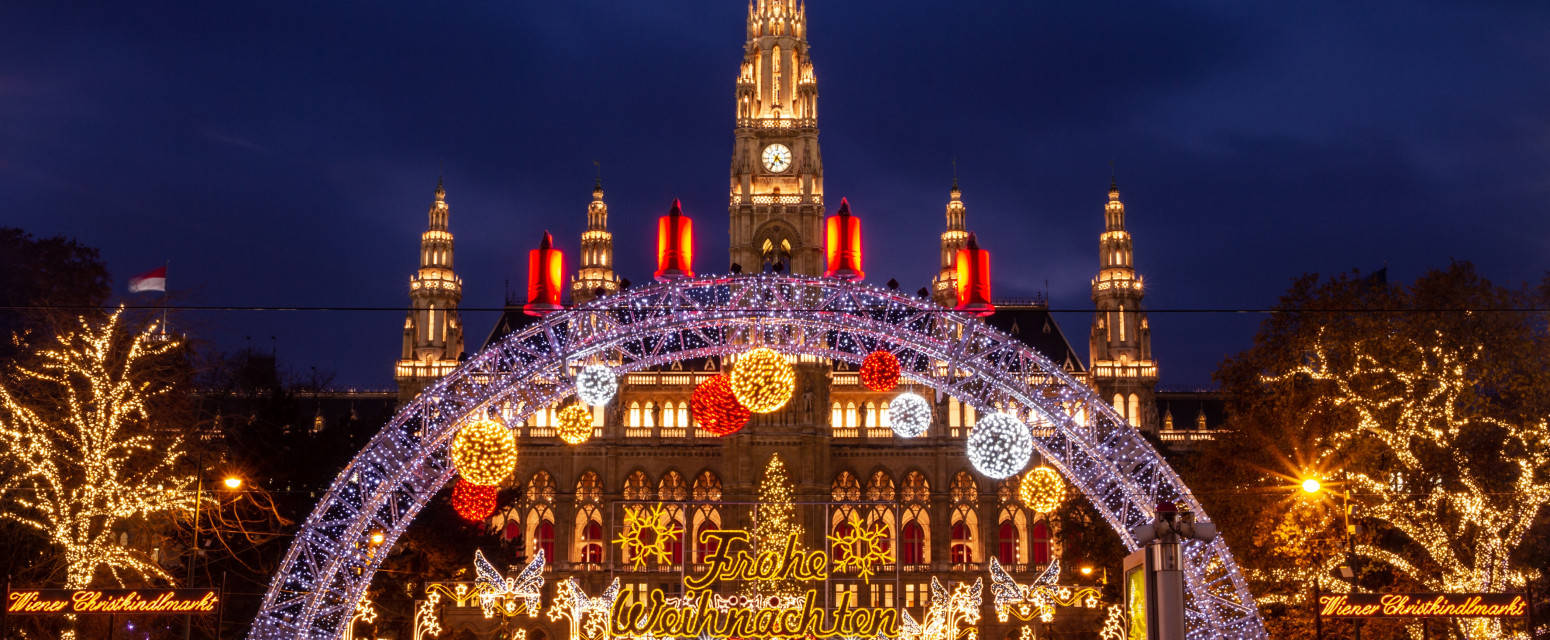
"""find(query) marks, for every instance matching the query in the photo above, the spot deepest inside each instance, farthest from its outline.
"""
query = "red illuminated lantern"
(974, 279)
(715, 408)
(545, 277)
(880, 371)
(675, 245)
(473, 502)
(843, 244)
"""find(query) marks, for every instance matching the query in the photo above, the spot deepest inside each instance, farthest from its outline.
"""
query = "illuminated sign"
(1422, 605)
(43, 602)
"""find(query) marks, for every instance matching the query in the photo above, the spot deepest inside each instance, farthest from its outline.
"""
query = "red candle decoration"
(715, 408)
(675, 245)
(473, 502)
(974, 279)
(545, 278)
(843, 244)
(880, 371)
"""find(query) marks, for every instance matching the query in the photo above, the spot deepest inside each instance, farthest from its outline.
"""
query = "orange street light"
(377, 538)
(233, 483)
(1311, 486)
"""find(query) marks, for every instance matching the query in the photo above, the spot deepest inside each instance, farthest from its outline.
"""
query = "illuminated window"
(914, 548)
(886, 422)
(649, 416)
(1006, 542)
(969, 415)
(879, 487)
(871, 414)
(544, 538)
(846, 488)
(850, 415)
(837, 416)
(669, 417)
(1041, 555)
(1135, 410)
(592, 542)
(683, 414)
(635, 414)
(672, 488)
(589, 488)
(637, 486)
(1119, 404)
(962, 541)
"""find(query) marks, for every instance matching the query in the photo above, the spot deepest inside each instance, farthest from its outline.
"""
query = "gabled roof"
(1035, 326)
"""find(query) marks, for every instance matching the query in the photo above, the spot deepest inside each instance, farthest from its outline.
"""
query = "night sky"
(285, 153)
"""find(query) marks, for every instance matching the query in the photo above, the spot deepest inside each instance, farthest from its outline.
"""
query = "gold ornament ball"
(762, 380)
(575, 424)
(1042, 490)
(484, 452)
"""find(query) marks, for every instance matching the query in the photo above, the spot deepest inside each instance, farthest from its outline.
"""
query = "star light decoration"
(762, 380)
(948, 614)
(484, 452)
(426, 622)
(86, 461)
(862, 548)
(718, 316)
(1042, 489)
(364, 613)
(715, 408)
(1000, 446)
(880, 371)
(646, 534)
(574, 424)
(910, 415)
(588, 616)
(473, 502)
(509, 596)
(1037, 600)
(596, 385)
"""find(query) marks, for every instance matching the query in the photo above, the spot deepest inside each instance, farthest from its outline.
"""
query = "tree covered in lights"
(775, 521)
(82, 456)
(1425, 403)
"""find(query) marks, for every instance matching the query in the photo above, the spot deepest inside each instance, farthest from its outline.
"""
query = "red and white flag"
(153, 280)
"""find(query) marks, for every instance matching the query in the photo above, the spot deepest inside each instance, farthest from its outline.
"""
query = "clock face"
(777, 158)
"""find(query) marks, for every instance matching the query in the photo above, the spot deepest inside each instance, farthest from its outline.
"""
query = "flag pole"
(163, 299)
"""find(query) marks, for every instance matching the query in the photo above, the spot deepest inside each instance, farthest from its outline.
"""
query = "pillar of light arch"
(675, 245)
(545, 276)
(973, 267)
(842, 242)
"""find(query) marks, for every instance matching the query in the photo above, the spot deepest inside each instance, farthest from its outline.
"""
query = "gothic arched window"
(637, 486)
(846, 488)
(589, 488)
(879, 487)
(672, 487)
(1041, 554)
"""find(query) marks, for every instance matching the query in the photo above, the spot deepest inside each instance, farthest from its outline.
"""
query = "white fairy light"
(910, 415)
(1000, 446)
(596, 385)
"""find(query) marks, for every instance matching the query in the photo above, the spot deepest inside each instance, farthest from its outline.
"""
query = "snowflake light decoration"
(910, 415)
(596, 385)
(863, 547)
(646, 534)
(1000, 446)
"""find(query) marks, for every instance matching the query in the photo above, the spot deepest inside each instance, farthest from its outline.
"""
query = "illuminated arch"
(331, 562)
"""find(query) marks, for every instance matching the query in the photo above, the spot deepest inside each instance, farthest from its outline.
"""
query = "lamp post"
(231, 482)
(1347, 570)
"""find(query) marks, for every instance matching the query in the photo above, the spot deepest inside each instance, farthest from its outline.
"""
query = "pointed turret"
(596, 272)
(1121, 343)
(433, 331)
(944, 289)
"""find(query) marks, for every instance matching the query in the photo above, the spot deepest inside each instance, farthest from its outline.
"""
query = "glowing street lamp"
(377, 538)
(233, 482)
(1311, 486)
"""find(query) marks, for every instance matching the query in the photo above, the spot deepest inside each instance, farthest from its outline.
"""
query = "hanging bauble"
(575, 424)
(473, 502)
(484, 452)
(1000, 445)
(763, 380)
(880, 371)
(910, 415)
(715, 409)
(596, 385)
(1042, 490)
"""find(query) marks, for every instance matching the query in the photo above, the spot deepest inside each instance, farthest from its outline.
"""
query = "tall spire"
(596, 271)
(433, 331)
(1121, 343)
(944, 288)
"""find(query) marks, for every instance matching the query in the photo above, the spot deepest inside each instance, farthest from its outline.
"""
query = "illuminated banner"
(1422, 605)
(43, 602)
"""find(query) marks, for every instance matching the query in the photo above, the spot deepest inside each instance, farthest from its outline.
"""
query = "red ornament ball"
(880, 371)
(716, 409)
(473, 502)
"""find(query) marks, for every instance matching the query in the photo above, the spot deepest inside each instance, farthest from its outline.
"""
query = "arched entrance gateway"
(331, 563)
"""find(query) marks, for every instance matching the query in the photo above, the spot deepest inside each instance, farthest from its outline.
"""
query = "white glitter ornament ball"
(910, 415)
(596, 385)
(1000, 446)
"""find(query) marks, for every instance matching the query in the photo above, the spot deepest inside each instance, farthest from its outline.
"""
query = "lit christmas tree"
(775, 522)
(77, 453)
